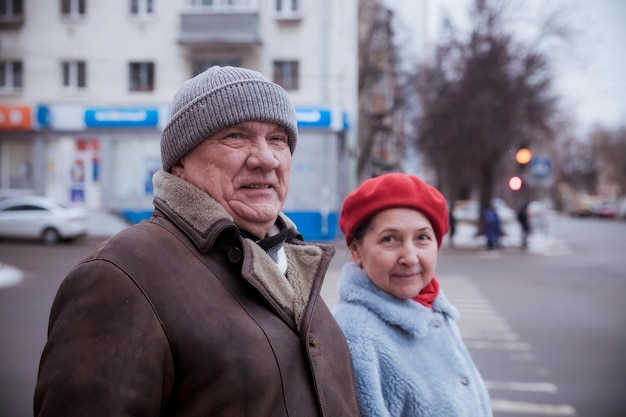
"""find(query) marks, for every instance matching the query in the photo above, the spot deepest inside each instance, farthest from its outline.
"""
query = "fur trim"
(188, 200)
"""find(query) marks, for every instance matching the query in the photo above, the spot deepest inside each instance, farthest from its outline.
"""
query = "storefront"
(317, 179)
(18, 145)
(104, 158)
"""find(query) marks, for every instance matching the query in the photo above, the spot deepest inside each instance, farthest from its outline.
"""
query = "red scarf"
(428, 293)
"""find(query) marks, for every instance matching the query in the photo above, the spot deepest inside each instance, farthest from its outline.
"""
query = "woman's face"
(398, 252)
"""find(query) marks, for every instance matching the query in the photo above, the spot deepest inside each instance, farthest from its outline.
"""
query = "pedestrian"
(408, 354)
(491, 221)
(522, 218)
(212, 306)
(452, 223)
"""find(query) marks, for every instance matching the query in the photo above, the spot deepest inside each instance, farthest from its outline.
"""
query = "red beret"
(392, 191)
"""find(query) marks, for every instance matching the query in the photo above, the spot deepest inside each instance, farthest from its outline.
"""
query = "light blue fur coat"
(409, 360)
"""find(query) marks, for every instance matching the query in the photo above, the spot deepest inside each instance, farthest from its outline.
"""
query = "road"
(546, 331)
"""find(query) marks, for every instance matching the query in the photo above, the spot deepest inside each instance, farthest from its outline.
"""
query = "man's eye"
(283, 139)
(234, 135)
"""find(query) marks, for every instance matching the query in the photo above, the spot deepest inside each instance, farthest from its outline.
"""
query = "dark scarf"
(428, 293)
(271, 244)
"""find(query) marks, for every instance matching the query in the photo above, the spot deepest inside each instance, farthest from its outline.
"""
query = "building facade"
(86, 85)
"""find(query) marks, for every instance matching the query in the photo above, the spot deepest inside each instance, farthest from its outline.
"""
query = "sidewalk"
(540, 242)
(102, 224)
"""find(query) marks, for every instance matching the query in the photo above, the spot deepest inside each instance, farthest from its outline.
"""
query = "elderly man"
(212, 307)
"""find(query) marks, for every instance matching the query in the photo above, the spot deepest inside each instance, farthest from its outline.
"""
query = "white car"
(33, 217)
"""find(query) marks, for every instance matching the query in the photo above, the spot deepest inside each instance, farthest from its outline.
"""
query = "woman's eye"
(423, 237)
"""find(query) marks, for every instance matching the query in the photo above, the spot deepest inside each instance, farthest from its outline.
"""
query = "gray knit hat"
(218, 98)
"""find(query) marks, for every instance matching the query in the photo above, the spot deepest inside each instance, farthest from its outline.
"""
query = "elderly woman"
(407, 350)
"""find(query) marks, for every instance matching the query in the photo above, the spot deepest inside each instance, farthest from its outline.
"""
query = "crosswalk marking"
(499, 345)
(522, 386)
(484, 330)
(526, 408)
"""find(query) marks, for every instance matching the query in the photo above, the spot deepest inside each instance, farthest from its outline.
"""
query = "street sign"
(540, 167)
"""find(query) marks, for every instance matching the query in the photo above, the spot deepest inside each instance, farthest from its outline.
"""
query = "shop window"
(11, 9)
(141, 76)
(11, 75)
(141, 7)
(74, 74)
(73, 8)
(286, 74)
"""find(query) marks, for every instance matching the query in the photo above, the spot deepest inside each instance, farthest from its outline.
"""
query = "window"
(10, 9)
(220, 4)
(74, 74)
(286, 74)
(141, 76)
(10, 75)
(73, 8)
(201, 65)
(141, 7)
(287, 7)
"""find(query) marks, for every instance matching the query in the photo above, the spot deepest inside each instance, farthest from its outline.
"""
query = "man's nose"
(262, 155)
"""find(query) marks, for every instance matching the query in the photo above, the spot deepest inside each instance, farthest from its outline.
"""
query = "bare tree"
(482, 98)
(381, 99)
(576, 164)
(610, 148)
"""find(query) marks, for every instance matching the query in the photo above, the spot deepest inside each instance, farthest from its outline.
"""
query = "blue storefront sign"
(121, 117)
(322, 118)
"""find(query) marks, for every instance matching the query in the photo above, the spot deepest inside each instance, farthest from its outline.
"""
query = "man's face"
(245, 168)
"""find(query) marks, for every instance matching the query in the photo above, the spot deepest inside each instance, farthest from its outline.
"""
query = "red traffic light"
(515, 183)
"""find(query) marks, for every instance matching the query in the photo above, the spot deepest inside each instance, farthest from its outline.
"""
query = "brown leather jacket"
(181, 316)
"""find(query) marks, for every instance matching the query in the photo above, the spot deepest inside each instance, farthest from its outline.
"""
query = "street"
(546, 330)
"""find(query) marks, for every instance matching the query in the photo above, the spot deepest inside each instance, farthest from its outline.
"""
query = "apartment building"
(86, 85)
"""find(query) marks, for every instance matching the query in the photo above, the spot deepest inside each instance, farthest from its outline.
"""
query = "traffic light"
(515, 183)
(522, 158)
(523, 155)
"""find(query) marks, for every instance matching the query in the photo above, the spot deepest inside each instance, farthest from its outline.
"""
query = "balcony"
(200, 26)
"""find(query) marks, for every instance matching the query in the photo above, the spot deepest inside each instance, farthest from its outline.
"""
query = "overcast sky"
(591, 77)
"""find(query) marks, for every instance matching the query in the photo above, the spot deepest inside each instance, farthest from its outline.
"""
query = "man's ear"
(179, 169)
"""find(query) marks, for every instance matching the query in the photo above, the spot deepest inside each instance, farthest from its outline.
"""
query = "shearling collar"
(187, 201)
(201, 212)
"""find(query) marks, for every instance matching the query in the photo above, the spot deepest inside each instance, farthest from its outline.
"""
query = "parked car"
(34, 217)
(583, 206)
(605, 208)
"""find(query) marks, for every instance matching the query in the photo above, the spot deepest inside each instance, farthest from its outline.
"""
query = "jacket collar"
(204, 218)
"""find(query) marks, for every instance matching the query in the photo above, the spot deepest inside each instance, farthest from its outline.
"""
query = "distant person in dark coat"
(522, 218)
(452, 221)
(492, 227)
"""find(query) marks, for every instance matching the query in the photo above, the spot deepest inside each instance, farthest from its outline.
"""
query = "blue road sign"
(540, 167)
